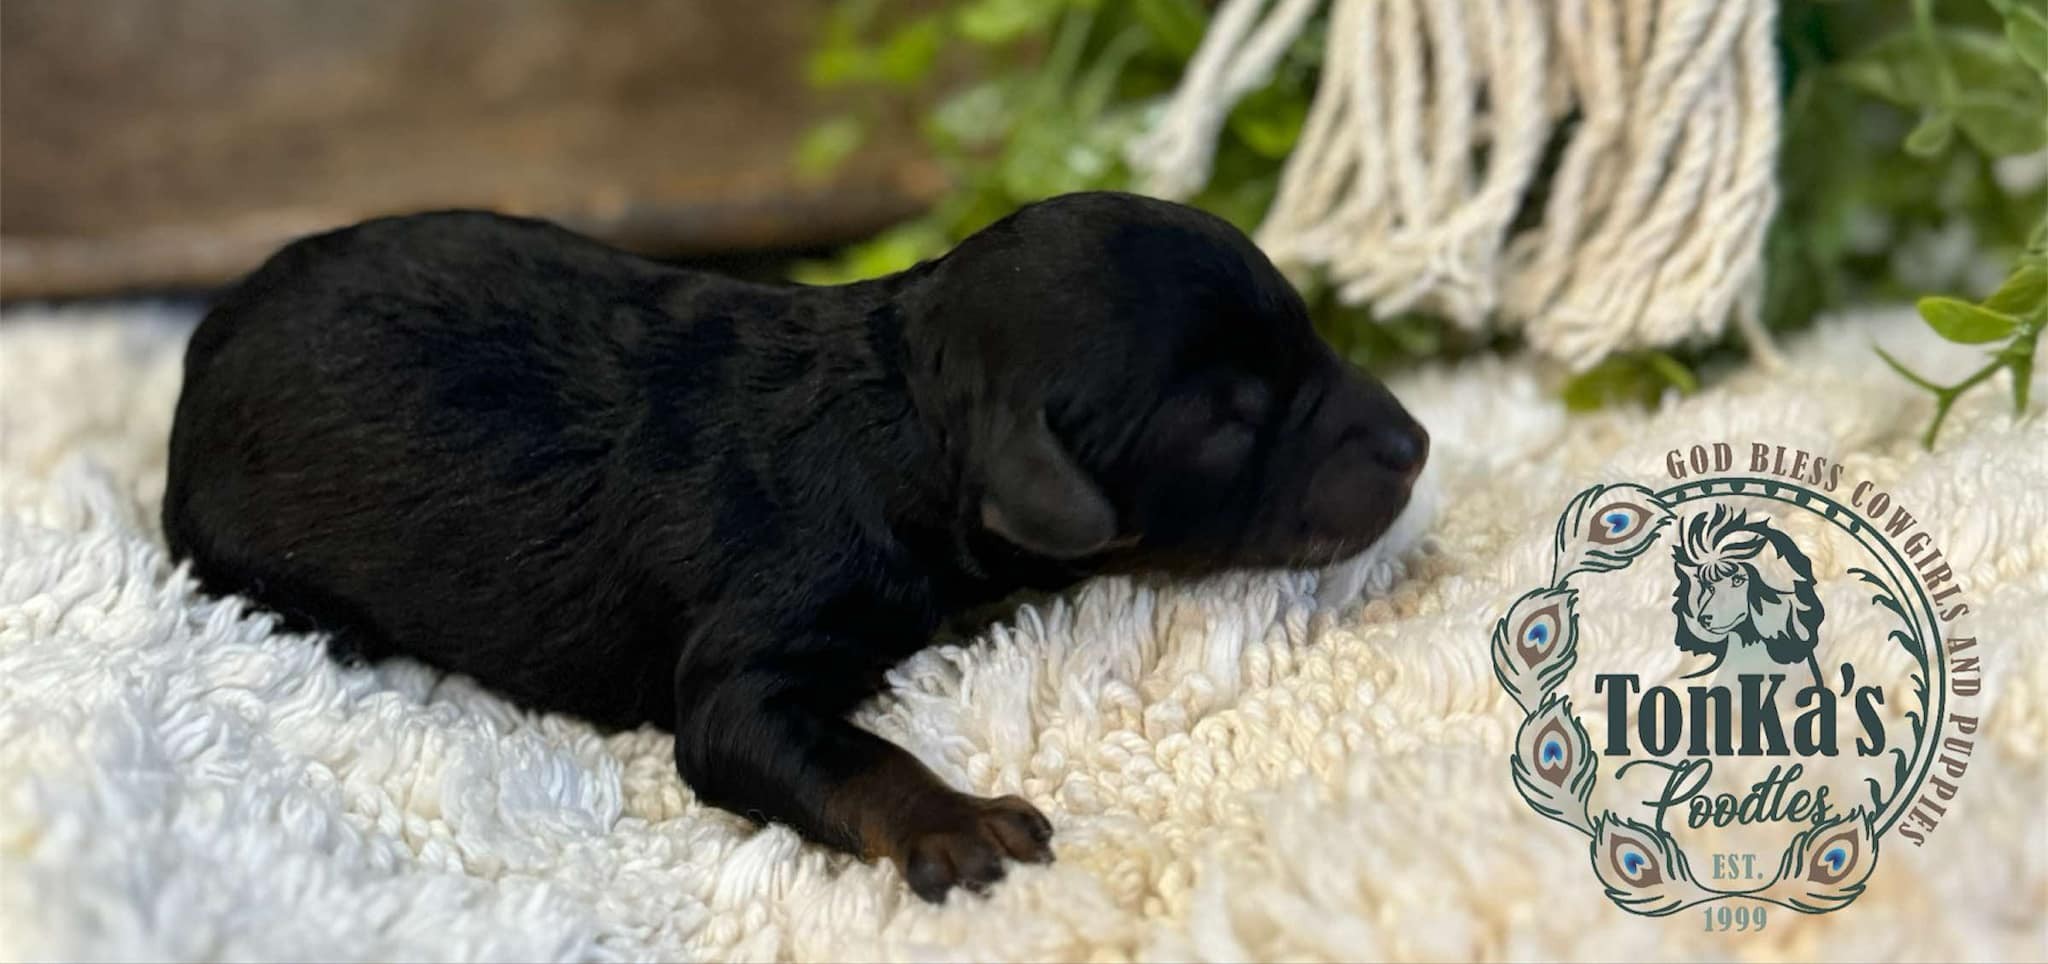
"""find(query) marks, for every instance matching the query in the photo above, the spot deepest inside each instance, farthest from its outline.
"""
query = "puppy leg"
(937, 838)
(763, 746)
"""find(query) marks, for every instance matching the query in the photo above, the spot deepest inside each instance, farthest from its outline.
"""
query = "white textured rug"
(1232, 773)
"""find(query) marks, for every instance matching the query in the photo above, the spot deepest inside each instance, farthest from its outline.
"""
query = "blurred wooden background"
(151, 144)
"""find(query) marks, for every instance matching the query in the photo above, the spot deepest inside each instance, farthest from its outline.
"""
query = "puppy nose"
(1402, 450)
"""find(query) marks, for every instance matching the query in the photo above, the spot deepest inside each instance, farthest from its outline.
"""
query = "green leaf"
(1639, 378)
(2001, 124)
(975, 117)
(1932, 135)
(2024, 293)
(1597, 387)
(1965, 323)
(1674, 371)
(891, 251)
(2027, 30)
(1269, 120)
(1894, 68)
(1176, 24)
(1983, 60)
(1037, 161)
(827, 145)
(834, 66)
(995, 22)
(840, 58)
(1897, 67)
(1098, 84)
(908, 55)
(1421, 336)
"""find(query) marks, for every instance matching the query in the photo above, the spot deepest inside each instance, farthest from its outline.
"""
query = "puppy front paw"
(964, 843)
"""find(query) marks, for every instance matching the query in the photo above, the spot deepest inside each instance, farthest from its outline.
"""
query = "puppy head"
(1131, 382)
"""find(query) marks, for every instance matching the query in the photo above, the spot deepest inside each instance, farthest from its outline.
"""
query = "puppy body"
(643, 494)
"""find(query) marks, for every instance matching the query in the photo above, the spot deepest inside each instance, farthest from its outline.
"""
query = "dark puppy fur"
(642, 494)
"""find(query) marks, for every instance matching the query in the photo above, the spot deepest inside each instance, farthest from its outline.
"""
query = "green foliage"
(1642, 378)
(1963, 78)
(902, 59)
(2015, 314)
(1055, 89)
(1992, 85)
(827, 145)
(1895, 115)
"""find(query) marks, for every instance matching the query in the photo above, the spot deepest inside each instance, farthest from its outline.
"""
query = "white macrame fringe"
(1428, 131)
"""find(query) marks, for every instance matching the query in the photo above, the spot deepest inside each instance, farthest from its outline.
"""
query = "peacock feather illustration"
(1555, 767)
(1604, 527)
(1827, 864)
(1535, 645)
(1644, 871)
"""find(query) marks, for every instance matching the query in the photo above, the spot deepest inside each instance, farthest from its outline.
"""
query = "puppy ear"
(1035, 496)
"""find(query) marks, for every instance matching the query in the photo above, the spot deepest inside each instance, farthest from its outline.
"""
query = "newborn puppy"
(638, 493)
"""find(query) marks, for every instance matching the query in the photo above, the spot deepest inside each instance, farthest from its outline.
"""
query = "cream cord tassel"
(1428, 135)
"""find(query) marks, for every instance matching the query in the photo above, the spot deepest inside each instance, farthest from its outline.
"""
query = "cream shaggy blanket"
(1234, 771)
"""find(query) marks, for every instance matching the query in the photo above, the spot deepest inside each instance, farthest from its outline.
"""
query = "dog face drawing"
(1741, 579)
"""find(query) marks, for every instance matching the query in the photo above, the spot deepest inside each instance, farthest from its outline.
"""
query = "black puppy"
(637, 493)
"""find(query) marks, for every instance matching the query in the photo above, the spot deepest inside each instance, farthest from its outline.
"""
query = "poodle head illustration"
(1744, 580)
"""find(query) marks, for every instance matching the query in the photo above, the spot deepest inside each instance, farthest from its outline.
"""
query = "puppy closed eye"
(1247, 402)
(1233, 425)
(1227, 444)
